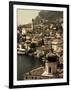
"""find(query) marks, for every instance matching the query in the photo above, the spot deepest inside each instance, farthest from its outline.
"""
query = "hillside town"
(42, 39)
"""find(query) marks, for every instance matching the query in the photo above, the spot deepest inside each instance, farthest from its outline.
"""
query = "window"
(49, 69)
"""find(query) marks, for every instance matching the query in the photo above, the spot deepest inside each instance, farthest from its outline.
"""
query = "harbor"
(40, 47)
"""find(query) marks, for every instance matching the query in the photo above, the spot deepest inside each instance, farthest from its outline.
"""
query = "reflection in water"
(25, 64)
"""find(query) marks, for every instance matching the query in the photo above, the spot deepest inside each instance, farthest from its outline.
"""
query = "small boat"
(21, 51)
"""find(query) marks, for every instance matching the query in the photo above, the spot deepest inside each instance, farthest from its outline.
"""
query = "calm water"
(25, 64)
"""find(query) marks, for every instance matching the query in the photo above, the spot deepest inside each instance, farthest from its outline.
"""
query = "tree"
(33, 45)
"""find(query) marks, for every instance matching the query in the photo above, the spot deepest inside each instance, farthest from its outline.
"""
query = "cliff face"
(51, 16)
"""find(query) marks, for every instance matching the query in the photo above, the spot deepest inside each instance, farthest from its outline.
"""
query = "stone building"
(50, 65)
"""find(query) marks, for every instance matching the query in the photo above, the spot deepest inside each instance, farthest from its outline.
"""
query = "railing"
(30, 77)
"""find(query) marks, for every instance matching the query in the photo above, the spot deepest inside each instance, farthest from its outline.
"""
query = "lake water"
(25, 64)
